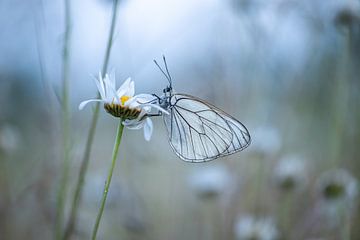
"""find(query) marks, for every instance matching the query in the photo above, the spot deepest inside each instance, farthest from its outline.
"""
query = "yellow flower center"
(123, 99)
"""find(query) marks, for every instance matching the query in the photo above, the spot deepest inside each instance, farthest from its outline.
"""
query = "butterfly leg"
(154, 114)
(151, 115)
(158, 98)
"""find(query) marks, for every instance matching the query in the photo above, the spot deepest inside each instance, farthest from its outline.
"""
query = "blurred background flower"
(338, 193)
(337, 186)
(259, 228)
(209, 182)
(291, 173)
(266, 141)
(10, 138)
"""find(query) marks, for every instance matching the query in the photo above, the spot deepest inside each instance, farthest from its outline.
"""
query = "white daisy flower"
(337, 186)
(338, 192)
(123, 103)
(290, 173)
(249, 227)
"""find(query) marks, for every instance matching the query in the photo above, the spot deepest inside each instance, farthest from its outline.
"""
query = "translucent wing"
(200, 132)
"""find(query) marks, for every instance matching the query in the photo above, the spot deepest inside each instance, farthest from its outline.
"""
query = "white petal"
(145, 98)
(155, 106)
(83, 104)
(123, 88)
(133, 124)
(148, 129)
(100, 85)
(139, 99)
(111, 79)
(111, 94)
(146, 109)
(132, 103)
(141, 115)
(108, 86)
(114, 96)
(131, 89)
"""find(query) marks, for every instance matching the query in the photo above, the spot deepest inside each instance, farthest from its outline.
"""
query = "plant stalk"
(61, 195)
(108, 181)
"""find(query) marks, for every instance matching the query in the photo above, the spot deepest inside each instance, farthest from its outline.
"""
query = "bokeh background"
(287, 69)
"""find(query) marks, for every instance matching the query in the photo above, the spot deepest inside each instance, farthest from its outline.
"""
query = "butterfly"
(197, 130)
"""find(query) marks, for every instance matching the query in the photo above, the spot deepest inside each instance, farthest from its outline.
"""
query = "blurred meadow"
(289, 70)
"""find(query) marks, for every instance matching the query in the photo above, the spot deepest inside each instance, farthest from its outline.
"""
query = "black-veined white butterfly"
(198, 131)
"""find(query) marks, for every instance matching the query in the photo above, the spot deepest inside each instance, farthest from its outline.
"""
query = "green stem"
(66, 124)
(255, 196)
(341, 103)
(5, 214)
(285, 214)
(346, 230)
(108, 181)
(85, 161)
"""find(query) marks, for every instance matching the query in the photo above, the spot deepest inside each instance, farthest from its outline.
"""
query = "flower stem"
(61, 195)
(108, 181)
(85, 161)
(285, 217)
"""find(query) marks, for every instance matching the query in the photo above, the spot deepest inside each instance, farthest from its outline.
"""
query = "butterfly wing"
(200, 132)
(241, 136)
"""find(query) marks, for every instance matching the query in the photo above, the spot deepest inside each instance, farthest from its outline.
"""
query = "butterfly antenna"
(167, 71)
(167, 76)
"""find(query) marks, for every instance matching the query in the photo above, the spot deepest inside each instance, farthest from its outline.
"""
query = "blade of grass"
(61, 195)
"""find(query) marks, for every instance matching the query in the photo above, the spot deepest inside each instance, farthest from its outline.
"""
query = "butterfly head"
(168, 90)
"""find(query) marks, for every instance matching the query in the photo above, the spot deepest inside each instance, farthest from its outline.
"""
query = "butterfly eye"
(166, 90)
